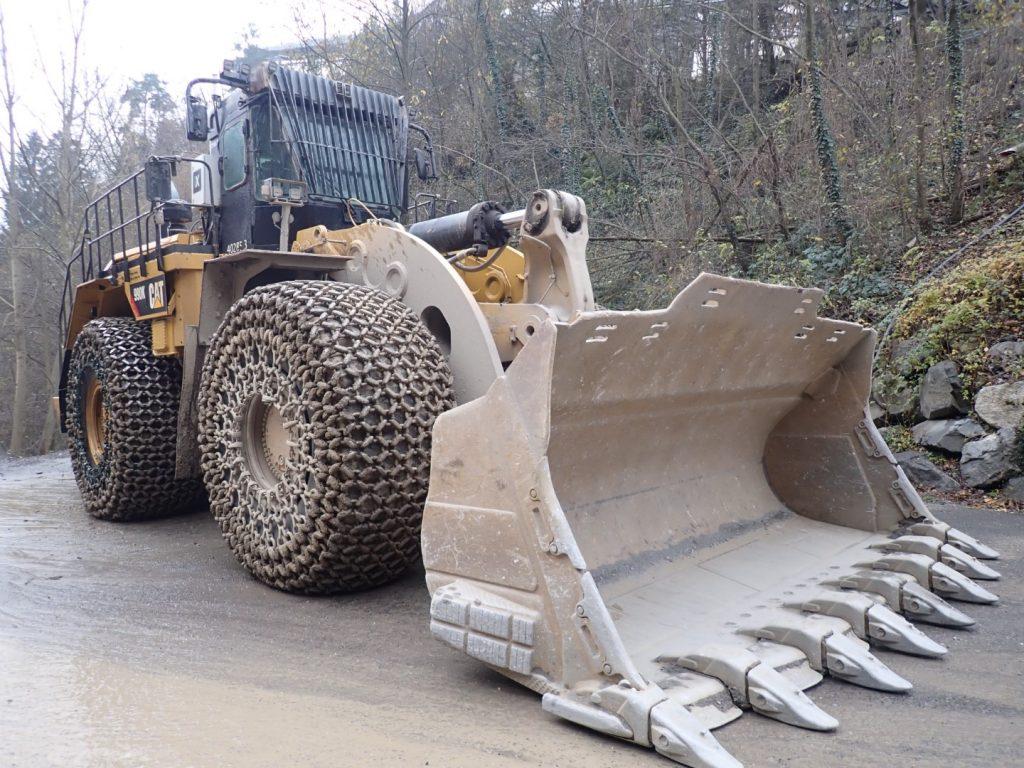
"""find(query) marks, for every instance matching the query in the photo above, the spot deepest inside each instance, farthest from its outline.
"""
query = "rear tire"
(318, 400)
(122, 420)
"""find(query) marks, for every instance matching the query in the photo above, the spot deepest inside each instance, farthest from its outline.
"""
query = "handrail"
(116, 222)
(429, 201)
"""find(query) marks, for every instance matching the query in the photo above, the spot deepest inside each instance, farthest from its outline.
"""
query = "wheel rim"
(95, 420)
(265, 442)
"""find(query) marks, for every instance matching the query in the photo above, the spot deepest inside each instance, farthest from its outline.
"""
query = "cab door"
(236, 193)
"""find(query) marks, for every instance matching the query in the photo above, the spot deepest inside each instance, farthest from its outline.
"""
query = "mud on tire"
(129, 472)
(315, 417)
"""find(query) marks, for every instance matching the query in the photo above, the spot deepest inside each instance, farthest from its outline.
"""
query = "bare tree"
(19, 402)
(918, 96)
(824, 139)
(47, 180)
(957, 130)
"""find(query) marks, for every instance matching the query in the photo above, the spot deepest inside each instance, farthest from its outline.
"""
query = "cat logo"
(149, 297)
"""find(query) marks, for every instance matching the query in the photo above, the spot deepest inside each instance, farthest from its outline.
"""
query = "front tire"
(122, 421)
(317, 404)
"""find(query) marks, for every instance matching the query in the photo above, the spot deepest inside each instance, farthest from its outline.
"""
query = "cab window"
(271, 155)
(232, 151)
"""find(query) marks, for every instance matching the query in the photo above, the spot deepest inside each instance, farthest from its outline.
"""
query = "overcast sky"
(123, 39)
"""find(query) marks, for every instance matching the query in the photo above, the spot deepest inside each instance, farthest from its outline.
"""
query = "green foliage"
(862, 290)
(569, 157)
(827, 261)
(899, 438)
(150, 92)
(606, 194)
(959, 316)
(774, 263)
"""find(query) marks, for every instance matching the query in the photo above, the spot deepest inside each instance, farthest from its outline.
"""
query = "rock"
(909, 355)
(942, 392)
(948, 434)
(876, 411)
(1001, 405)
(901, 405)
(987, 462)
(1006, 354)
(1014, 489)
(923, 473)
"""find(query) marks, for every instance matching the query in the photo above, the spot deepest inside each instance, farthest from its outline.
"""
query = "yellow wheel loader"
(655, 520)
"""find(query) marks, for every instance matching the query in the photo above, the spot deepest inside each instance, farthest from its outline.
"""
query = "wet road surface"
(146, 645)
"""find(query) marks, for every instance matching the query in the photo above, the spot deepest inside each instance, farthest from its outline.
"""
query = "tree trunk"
(920, 193)
(957, 130)
(571, 174)
(755, 51)
(494, 69)
(825, 143)
(19, 402)
(710, 73)
(51, 424)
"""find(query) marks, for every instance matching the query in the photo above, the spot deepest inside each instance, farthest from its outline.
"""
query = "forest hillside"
(874, 149)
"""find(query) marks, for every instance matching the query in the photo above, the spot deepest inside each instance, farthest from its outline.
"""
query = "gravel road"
(147, 645)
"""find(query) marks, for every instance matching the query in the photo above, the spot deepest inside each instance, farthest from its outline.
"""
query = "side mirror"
(197, 126)
(425, 163)
(159, 172)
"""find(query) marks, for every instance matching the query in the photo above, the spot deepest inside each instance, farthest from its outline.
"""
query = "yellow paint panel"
(181, 238)
(95, 298)
(183, 270)
(504, 281)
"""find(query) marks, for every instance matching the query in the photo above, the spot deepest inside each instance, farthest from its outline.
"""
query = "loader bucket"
(660, 519)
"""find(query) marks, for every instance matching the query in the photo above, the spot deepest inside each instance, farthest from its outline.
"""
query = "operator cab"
(284, 143)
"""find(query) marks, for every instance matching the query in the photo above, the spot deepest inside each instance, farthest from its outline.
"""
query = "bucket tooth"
(938, 577)
(924, 605)
(903, 593)
(953, 584)
(587, 715)
(773, 695)
(849, 660)
(649, 718)
(758, 685)
(890, 630)
(828, 647)
(789, 661)
(971, 545)
(888, 586)
(851, 607)
(952, 556)
(679, 736)
(966, 564)
(871, 620)
(950, 535)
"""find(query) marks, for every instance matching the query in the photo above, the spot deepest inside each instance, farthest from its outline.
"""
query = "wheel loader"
(656, 520)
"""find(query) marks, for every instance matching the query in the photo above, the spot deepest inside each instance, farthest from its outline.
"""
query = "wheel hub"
(95, 420)
(265, 440)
